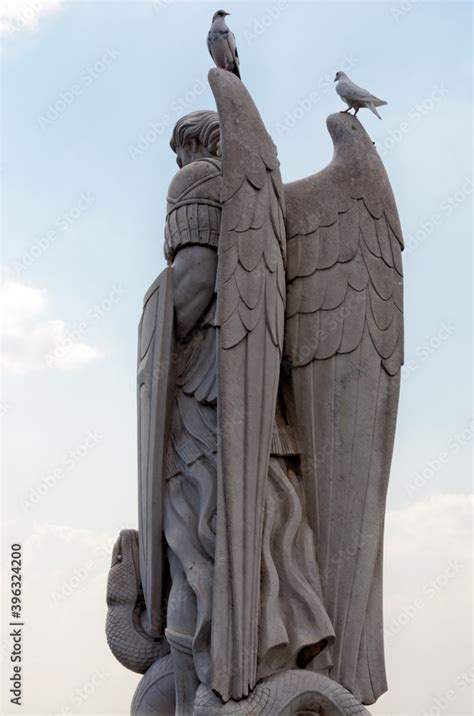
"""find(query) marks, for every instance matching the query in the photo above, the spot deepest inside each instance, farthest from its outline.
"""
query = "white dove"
(221, 44)
(355, 96)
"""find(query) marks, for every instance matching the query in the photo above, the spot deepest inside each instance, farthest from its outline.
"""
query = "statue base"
(290, 693)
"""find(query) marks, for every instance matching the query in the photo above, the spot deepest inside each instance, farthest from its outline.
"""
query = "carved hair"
(203, 126)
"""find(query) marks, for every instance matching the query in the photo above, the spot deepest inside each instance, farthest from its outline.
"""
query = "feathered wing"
(234, 53)
(347, 88)
(344, 344)
(250, 316)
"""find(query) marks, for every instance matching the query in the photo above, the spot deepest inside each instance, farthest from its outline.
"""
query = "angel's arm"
(194, 277)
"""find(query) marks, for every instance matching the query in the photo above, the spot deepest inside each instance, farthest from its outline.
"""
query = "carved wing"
(250, 316)
(344, 343)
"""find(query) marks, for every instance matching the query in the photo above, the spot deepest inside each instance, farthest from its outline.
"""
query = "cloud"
(427, 615)
(31, 342)
(68, 667)
(17, 15)
(446, 518)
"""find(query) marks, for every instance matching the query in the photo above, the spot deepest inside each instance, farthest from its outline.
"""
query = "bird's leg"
(345, 111)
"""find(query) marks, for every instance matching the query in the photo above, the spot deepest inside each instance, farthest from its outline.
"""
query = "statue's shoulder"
(198, 179)
(198, 184)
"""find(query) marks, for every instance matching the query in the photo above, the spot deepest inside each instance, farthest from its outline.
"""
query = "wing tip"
(217, 75)
(213, 75)
(346, 127)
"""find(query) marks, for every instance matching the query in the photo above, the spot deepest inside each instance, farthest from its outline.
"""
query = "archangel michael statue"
(268, 381)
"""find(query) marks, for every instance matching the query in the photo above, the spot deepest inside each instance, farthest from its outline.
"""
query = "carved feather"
(312, 286)
(344, 347)
(250, 319)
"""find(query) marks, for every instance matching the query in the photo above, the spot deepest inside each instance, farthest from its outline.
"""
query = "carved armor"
(194, 208)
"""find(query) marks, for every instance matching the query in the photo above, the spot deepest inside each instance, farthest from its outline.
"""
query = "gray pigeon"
(221, 44)
(355, 96)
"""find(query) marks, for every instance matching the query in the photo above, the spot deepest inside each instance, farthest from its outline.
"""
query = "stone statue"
(268, 380)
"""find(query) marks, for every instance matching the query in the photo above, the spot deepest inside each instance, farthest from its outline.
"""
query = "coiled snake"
(291, 693)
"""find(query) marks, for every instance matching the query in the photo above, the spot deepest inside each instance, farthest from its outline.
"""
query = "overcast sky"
(90, 94)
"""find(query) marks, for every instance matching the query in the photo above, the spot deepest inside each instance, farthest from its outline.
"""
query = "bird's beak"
(227, 13)
(335, 79)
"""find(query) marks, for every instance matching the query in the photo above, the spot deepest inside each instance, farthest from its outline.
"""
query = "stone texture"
(126, 636)
(265, 473)
(344, 347)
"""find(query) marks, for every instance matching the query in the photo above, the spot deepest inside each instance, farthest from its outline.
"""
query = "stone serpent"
(127, 639)
(291, 693)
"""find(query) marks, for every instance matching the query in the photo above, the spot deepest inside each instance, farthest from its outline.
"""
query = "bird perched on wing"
(355, 96)
(221, 44)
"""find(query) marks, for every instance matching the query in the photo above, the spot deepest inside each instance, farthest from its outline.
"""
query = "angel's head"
(340, 76)
(220, 14)
(196, 136)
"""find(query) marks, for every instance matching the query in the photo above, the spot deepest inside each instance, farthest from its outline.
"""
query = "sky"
(90, 93)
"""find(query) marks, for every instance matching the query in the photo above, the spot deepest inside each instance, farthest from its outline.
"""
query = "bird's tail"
(378, 102)
(371, 106)
(236, 71)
